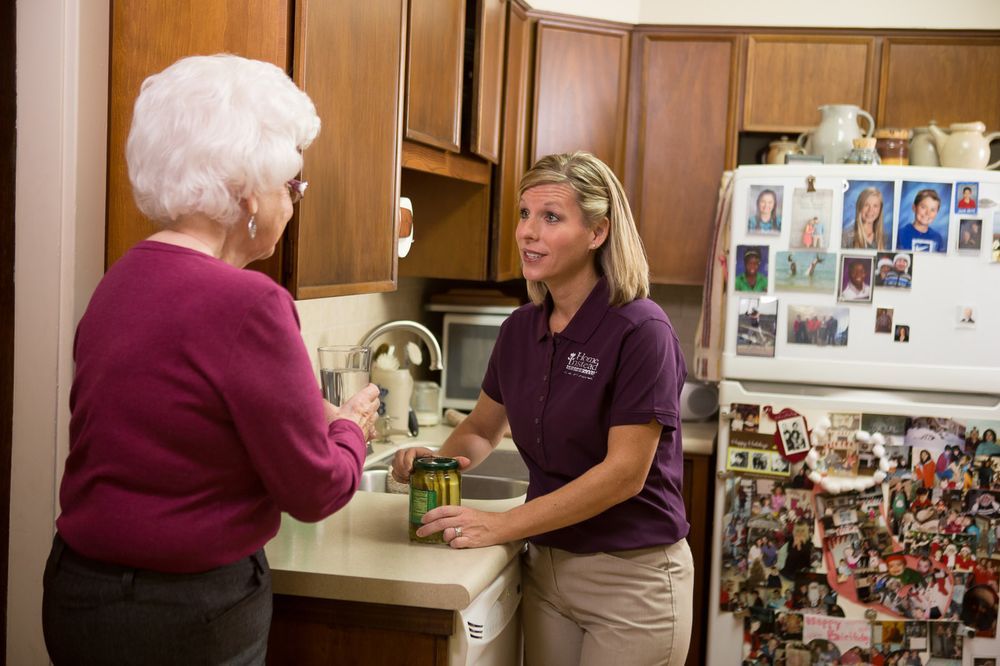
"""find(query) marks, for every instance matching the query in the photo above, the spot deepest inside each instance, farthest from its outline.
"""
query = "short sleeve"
(491, 380)
(649, 376)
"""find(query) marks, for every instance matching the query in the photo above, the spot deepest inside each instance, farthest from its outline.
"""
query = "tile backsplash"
(347, 319)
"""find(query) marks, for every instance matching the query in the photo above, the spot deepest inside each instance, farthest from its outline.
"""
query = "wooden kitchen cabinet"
(342, 237)
(349, 59)
(318, 632)
(434, 77)
(698, 494)
(488, 19)
(788, 76)
(580, 89)
(947, 79)
(506, 262)
(681, 137)
(146, 37)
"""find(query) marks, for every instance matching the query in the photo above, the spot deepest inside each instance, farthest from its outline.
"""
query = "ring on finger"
(458, 531)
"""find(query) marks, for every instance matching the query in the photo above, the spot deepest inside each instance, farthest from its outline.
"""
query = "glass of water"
(344, 370)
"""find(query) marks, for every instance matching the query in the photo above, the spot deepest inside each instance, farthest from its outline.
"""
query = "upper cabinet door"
(789, 76)
(344, 241)
(434, 80)
(146, 37)
(487, 79)
(514, 159)
(581, 83)
(681, 138)
(947, 79)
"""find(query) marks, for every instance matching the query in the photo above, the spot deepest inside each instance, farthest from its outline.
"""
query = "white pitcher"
(834, 137)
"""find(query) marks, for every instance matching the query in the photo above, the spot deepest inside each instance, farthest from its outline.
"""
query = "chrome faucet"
(421, 332)
(384, 426)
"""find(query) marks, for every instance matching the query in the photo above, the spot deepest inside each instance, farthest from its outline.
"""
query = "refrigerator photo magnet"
(805, 271)
(893, 269)
(818, 325)
(966, 315)
(757, 326)
(970, 235)
(855, 284)
(751, 268)
(868, 215)
(995, 243)
(764, 209)
(923, 216)
(812, 215)
(966, 198)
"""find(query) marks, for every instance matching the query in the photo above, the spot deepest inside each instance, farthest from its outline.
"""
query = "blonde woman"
(867, 232)
(588, 375)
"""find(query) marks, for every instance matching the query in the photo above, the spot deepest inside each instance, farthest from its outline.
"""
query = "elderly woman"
(196, 416)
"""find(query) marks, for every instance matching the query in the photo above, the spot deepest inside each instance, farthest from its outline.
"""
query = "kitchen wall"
(62, 54)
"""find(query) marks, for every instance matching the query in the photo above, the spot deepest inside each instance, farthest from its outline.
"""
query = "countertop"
(363, 552)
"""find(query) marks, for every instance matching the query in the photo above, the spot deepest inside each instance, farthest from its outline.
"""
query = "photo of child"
(966, 197)
(856, 279)
(751, 268)
(923, 218)
(764, 209)
(868, 215)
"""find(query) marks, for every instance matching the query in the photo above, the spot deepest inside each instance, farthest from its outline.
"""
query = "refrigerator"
(856, 478)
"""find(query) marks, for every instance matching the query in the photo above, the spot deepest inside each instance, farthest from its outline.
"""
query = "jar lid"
(435, 464)
(892, 133)
(864, 142)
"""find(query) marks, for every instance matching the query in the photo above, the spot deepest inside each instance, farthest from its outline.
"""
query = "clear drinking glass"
(344, 370)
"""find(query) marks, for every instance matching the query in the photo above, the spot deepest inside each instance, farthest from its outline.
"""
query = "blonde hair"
(621, 258)
(878, 228)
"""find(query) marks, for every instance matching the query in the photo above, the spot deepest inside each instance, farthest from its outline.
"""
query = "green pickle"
(434, 482)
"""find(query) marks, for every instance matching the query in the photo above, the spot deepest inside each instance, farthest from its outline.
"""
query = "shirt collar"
(586, 319)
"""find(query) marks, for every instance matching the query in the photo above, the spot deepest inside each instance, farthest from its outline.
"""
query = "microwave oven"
(468, 343)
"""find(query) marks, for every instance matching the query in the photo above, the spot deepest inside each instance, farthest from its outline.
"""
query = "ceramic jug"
(966, 147)
(923, 152)
(778, 149)
(834, 137)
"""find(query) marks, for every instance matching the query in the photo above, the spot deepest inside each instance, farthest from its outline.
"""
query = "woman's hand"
(463, 527)
(362, 408)
(402, 462)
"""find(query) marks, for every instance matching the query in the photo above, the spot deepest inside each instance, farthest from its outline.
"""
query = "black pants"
(96, 613)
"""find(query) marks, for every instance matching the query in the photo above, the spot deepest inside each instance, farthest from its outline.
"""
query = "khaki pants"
(624, 608)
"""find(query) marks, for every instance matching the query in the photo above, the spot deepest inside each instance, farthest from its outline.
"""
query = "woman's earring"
(252, 227)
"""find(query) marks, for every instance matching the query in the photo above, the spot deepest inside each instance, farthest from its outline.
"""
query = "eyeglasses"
(296, 189)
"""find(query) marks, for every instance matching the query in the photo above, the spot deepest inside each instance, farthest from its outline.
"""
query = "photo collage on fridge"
(878, 251)
(904, 524)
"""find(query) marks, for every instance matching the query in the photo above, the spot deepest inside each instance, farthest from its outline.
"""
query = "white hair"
(210, 130)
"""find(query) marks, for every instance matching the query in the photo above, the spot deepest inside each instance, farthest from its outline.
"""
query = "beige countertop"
(363, 552)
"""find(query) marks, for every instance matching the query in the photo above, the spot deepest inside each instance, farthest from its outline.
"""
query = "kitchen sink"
(503, 475)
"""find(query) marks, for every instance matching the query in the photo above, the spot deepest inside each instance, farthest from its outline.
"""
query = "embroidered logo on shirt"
(579, 364)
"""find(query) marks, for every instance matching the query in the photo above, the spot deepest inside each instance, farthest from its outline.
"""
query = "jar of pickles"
(434, 482)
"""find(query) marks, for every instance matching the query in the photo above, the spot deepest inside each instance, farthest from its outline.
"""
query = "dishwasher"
(488, 631)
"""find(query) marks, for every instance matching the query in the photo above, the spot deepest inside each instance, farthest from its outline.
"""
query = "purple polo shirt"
(610, 366)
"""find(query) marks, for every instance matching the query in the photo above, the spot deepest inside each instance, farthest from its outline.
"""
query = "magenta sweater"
(196, 417)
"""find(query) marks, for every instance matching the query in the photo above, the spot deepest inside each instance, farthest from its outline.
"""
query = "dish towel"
(711, 324)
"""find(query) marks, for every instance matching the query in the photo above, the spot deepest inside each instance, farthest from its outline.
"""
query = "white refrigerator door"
(942, 354)
(725, 631)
